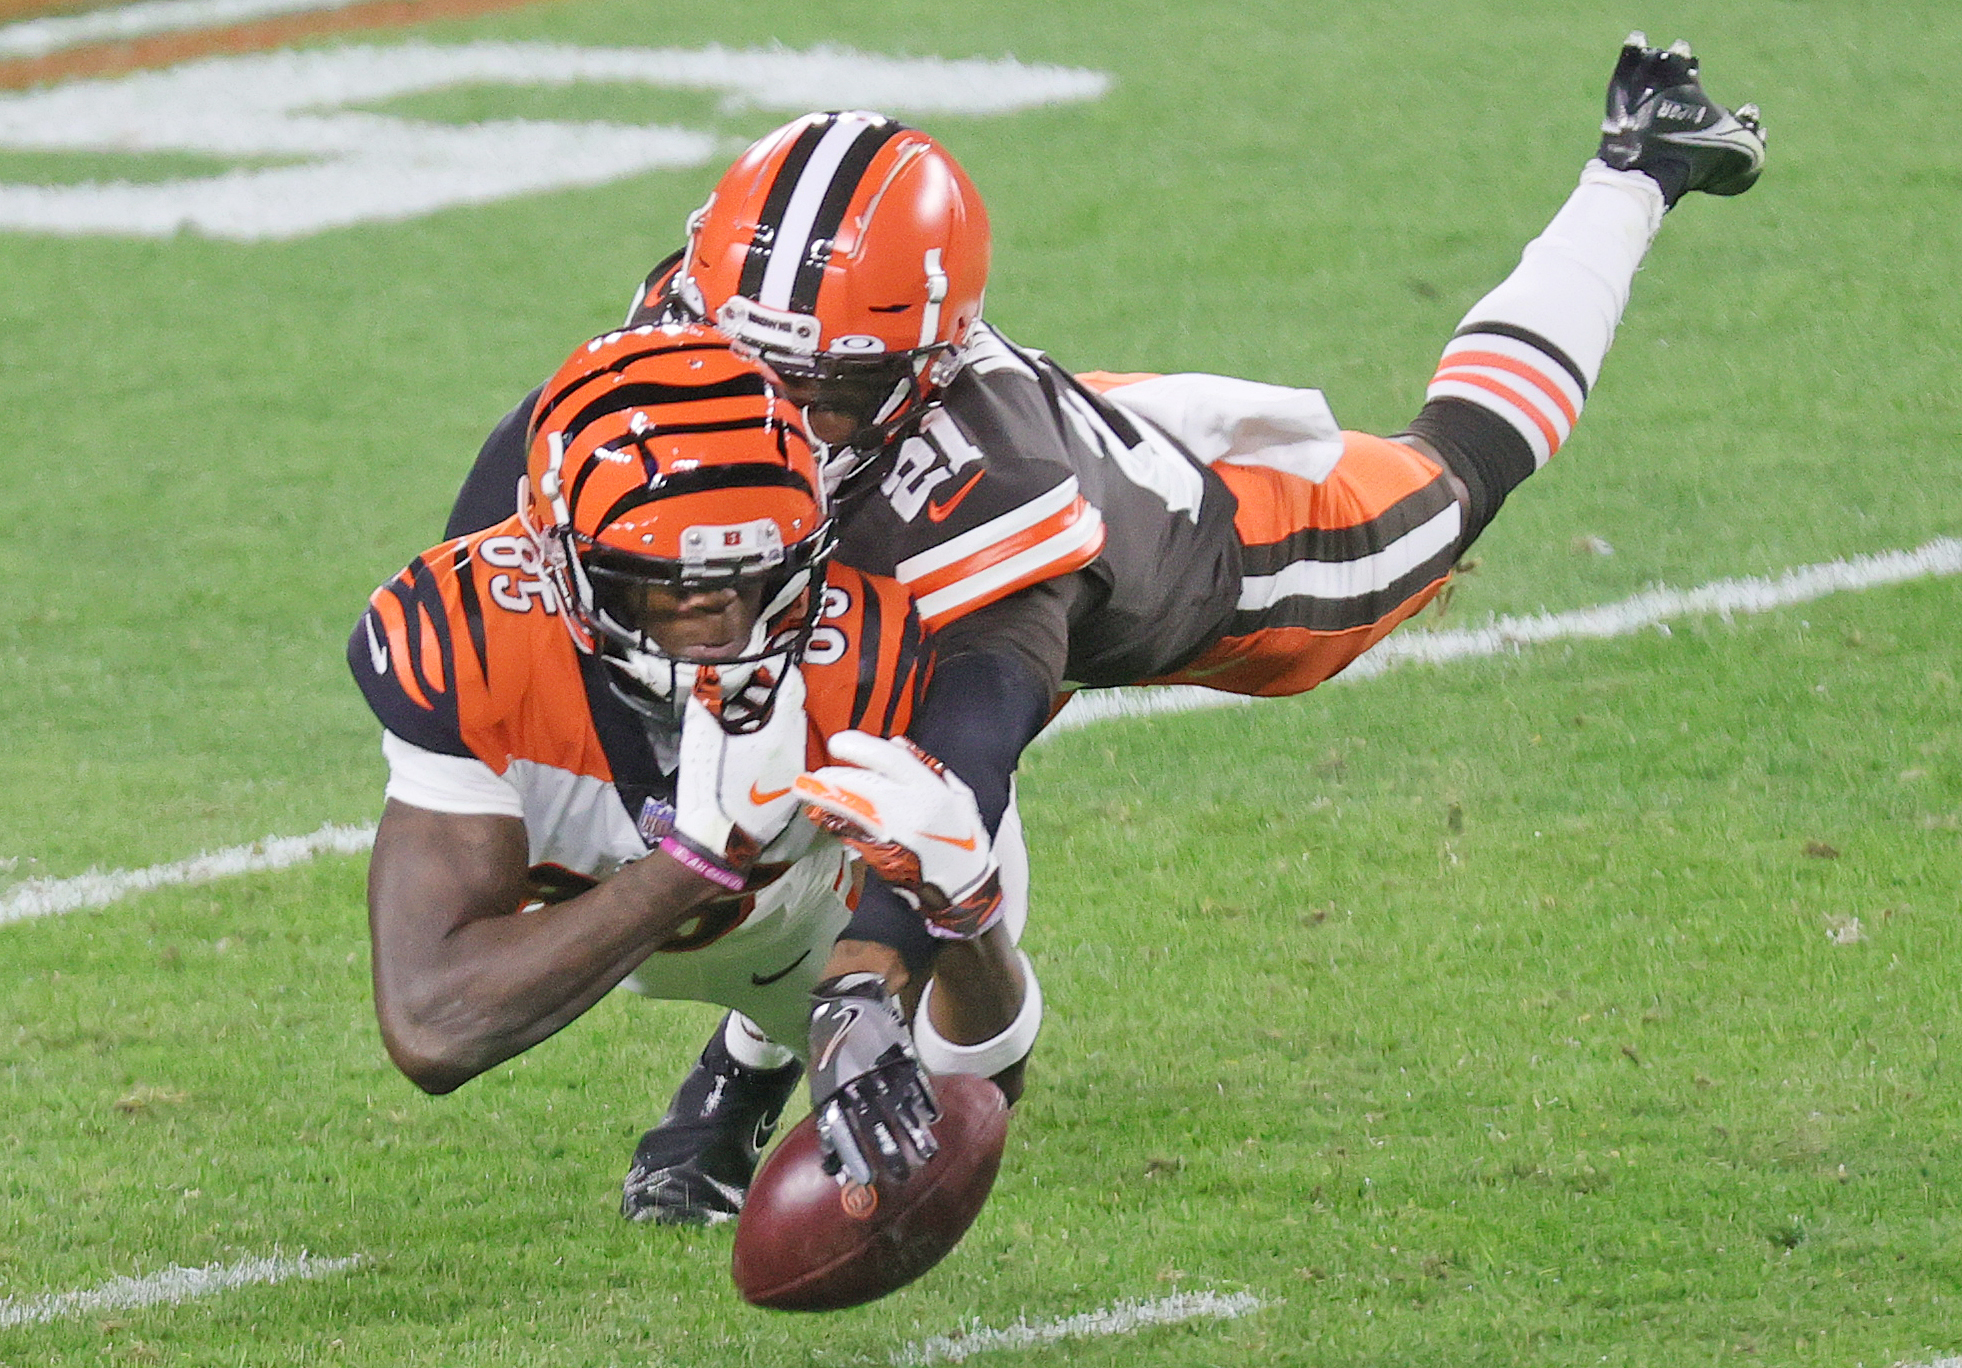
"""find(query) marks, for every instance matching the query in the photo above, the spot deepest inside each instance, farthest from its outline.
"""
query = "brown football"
(806, 1242)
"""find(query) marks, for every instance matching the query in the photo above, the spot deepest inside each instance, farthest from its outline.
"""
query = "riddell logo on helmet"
(765, 327)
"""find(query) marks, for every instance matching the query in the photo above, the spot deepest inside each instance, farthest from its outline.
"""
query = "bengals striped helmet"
(663, 465)
(850, 253)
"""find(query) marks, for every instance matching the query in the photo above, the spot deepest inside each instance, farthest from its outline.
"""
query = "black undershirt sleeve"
(490, 491)
(1482, 450)
(995, 679)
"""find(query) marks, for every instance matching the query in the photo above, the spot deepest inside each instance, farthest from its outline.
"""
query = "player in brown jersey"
(1063, 531)
(594, 713)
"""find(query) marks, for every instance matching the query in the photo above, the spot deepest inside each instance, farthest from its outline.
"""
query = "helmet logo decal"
(858, 344)
(806, 205)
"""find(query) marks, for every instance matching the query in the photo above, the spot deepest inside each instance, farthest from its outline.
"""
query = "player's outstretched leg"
(1660, 122)
(1515, 376)
(694, 1168)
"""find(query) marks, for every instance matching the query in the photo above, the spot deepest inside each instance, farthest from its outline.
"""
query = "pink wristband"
(698, 861)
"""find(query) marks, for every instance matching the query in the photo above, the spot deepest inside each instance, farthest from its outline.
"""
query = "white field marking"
(1943, 556)
(171, 1286)
(50, 897)
(1650, 608)
(344, 165)
(39, 37)
(1124, 1318)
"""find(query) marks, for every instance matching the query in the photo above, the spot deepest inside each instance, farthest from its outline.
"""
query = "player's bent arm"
(463, 979)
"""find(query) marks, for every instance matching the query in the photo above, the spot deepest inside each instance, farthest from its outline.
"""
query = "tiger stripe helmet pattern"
(844, 245)
(659, 456)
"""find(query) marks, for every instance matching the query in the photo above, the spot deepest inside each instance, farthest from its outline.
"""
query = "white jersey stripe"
(1354, 578)
(794, 236)
(1063, 546)
(1045, 505)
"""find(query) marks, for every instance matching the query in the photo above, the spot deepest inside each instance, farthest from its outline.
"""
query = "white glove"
(734, 793)
(915, 824)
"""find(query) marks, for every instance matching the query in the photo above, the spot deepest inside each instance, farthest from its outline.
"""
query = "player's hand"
(734, 793)
(874, 1106)
(915, 824)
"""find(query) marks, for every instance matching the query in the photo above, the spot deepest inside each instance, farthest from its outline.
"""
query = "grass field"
(1585, 1005)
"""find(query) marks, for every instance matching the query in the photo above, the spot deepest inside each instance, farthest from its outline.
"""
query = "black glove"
(873, 1103)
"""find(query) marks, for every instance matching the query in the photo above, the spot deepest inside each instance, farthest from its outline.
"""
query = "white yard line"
(169, 1287)
(1650, 608)
(1124, 1318)
(58, 33)
(49, 897)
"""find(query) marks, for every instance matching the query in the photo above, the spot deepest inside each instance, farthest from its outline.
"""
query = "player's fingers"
(836, 790)
(916, 1128)
(842, 1145)
(849, 832)
(892, 759)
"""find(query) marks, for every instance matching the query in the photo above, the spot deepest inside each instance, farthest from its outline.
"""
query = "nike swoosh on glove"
(875, 1108)
(735, 792)
(914, 823)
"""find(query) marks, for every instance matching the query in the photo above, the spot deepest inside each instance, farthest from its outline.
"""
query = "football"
(807, 1241)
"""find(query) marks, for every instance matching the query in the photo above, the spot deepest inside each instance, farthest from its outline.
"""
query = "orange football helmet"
(850, 253)
(661, 460)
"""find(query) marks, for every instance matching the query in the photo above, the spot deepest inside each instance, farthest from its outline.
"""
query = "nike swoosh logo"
(765, 980)
(377, 652)
(758, 797)
(939, 512)
(958, 842)
(847, 1019)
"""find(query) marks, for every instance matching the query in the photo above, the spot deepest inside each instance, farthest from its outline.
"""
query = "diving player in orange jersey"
(594, 713)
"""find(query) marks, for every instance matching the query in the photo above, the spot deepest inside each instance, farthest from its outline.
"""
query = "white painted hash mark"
(169, 1287)
(1124, 1318)
(1650, 608)
(51, 897)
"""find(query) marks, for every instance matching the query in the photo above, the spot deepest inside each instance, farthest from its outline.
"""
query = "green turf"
(1579, 1074)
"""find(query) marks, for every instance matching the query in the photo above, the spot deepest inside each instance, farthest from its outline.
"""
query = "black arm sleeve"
(1482, 450)
(490, 491)
(994, 684)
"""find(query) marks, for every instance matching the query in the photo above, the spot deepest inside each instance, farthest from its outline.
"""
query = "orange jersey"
(464, 654)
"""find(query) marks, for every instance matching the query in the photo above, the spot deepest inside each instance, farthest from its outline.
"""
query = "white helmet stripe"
(794, 236)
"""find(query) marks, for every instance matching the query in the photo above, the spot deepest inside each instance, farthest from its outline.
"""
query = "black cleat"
(1660, 122)
(694, 1168)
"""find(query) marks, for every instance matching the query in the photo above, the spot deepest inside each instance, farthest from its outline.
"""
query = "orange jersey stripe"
(397, 630)
(1374, 475)
(1280, 661)
(1009, 546)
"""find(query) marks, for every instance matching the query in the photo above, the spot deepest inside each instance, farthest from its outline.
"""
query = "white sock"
(1531, 349)
(753, 1049)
